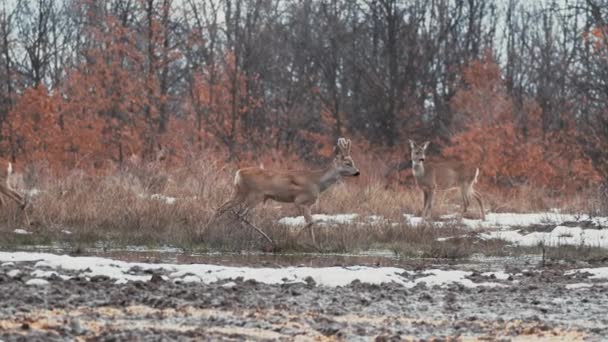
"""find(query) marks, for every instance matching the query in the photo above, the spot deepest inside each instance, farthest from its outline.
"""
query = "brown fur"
(254, 185)
(432, 176)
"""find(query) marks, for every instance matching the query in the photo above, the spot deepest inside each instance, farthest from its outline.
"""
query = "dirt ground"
(537, 305)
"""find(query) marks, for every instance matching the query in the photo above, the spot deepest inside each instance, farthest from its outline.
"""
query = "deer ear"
(412, 144)
(425, 145)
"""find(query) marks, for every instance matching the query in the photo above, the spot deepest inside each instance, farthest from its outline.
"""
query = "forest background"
(518, 87)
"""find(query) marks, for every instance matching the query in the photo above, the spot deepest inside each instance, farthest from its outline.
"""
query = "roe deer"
(7, 175)
(443, 176)
(254, 185)
(151, 174)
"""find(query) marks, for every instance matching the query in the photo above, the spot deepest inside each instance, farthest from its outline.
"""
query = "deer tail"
(476, 175)
(237, 178)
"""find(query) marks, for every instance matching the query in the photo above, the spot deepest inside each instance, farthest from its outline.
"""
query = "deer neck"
(329, 177)
(418, 169)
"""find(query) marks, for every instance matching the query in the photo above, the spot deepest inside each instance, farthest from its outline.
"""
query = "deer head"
(343, 161)
(418, 152)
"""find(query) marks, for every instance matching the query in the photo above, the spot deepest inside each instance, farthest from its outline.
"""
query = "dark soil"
(534, 305)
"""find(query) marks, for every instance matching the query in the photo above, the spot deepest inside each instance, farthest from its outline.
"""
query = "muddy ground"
(536, 305)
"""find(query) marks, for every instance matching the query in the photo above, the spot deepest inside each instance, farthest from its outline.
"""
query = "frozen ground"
(57, 297)
(45, 296)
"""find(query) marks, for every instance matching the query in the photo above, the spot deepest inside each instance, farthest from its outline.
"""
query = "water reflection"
(373, 258)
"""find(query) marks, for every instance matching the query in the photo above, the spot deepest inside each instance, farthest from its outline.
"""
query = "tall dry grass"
(127, 206)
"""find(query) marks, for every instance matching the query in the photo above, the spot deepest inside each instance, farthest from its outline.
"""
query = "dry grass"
(118, 209)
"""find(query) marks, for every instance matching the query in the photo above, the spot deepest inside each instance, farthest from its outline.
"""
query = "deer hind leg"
(249, 203)
(479, 199)
(466, 194)
(230, 204)
(14, 195)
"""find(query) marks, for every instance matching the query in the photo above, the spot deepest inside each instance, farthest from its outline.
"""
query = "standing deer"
(254, 185)
(7, 173)
(444, 176)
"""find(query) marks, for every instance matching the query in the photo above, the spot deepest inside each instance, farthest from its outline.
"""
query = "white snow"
(21, 232)
(159, 197)
(320, 219)
(509, 220)
(13, 273)
(413, 220)
(441, 277)
(229, 285)
(47, 274)
(32, 192)
(120, 271)
(503, 226)
(559, 236)
(596, 273)
(37, 282)
(584, 285)
(166, 199)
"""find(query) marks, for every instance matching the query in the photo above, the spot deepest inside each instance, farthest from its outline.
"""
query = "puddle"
(370, 258)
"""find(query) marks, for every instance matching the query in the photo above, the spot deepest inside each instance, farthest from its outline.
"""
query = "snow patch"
(159, 197)
(441, 277)
(596, 273)
(22, 232)
(33, 192)
(559, 236)
(166, 199)
(319, 219)
(37, 282)
(47, 274)
(584, 285)
(229, 285)
(122, 272)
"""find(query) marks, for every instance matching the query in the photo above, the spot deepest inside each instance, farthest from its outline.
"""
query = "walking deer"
(7, 173)
(254, 185)
(444, 176)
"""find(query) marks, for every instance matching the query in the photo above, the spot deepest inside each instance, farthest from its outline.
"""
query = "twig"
(242, 218)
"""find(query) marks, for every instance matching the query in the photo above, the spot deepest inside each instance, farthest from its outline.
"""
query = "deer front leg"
(309, 222)
(303, 204)
(429, 203)
(425, 196)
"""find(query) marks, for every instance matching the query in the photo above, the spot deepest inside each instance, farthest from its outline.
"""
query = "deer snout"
(357, 173)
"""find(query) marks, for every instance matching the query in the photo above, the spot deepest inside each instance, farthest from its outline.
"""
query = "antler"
(343, 146)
